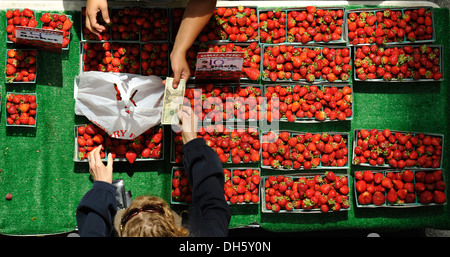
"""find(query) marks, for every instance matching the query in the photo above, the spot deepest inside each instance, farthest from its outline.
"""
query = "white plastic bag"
(96, 97)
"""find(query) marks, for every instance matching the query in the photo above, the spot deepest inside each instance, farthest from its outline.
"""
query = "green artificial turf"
(37, 165)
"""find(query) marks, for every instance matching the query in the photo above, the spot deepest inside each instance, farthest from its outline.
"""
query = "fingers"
(89, 27)
(187, 109)
(185, 75)
(176, 79)
(109, 162)
(94, 158)
(105, 13)
(180, 115)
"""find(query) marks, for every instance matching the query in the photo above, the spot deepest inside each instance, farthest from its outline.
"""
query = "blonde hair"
(152, 224)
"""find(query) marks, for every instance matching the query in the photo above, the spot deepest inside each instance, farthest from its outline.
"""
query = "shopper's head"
(149, 216)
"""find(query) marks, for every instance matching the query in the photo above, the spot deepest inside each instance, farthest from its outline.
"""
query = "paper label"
(219, 67)
(46, 39)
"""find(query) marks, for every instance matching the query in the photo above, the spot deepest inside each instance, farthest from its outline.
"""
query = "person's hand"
(189, 124)
(92, 8)
(180, 67)
(98, 170)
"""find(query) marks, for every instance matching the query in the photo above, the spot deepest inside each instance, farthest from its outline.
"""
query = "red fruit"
(387, 183)
(378, 198)
(8, 196)
(251, 73)
(90, 129)
(344, 190)
(360, 186)
(365, 198)
(377, 177)
(407, 176)
(229, 192)
(439, 197)
(131, 156)
(425, 197)
(368, 176)
(391, 196)
(330, 176)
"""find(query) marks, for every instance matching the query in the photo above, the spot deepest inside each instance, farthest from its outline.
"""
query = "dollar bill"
(172, 102)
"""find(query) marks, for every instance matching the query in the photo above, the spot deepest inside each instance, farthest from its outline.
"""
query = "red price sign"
(50, 40)
(219, 67)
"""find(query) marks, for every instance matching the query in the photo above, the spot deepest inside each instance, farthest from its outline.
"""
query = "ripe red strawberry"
(439, 197)
(130, 156)
(407, 176)
(392, 196)
(252, 74)
(378, 198)
(46, 18)
(330, 176)
(67, 25)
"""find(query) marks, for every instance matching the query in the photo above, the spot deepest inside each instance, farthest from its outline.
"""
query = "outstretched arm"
(196, 16)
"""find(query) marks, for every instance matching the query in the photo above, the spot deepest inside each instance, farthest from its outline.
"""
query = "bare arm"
(196, 16)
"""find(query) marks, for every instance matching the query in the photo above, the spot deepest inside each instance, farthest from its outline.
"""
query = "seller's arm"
(210, 214)
(196, 16)
(92, 8)
(97, 208)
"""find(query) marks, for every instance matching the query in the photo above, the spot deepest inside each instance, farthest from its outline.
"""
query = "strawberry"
(330, 176)
(391, 196)
(67, 25)
(378, 198)
(439, 197)
(365, 198)
(252, 74)
(407, 176)
(131, 156)
(425, 197)
(361, 186)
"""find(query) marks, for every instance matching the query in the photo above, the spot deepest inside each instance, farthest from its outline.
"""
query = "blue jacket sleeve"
(209, 213)
(96, 211)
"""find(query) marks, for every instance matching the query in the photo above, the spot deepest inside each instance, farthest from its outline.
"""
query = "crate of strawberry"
(146, 147)
(181, 189)
(400, 63)
(393, 188)
(87, 35)
(397, 149)
(384, 26)
(124, 26)
(21, 109)
(241, 186)
(114, 57)
(16, 17)
(154, 24)
(222, 102)
(58, 21)
(311, 63)
(309, 193)
(309, 103)
(21, 66)
(233, 145)
(315, 25)
(154, 59)
(272, 25)
(98, 57)
(289, 150)
(236, 23)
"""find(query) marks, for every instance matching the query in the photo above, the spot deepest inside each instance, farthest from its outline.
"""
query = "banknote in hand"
(172, 102)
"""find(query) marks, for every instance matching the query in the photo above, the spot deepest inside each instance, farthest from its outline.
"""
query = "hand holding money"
(189, 124)
(172, 102)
